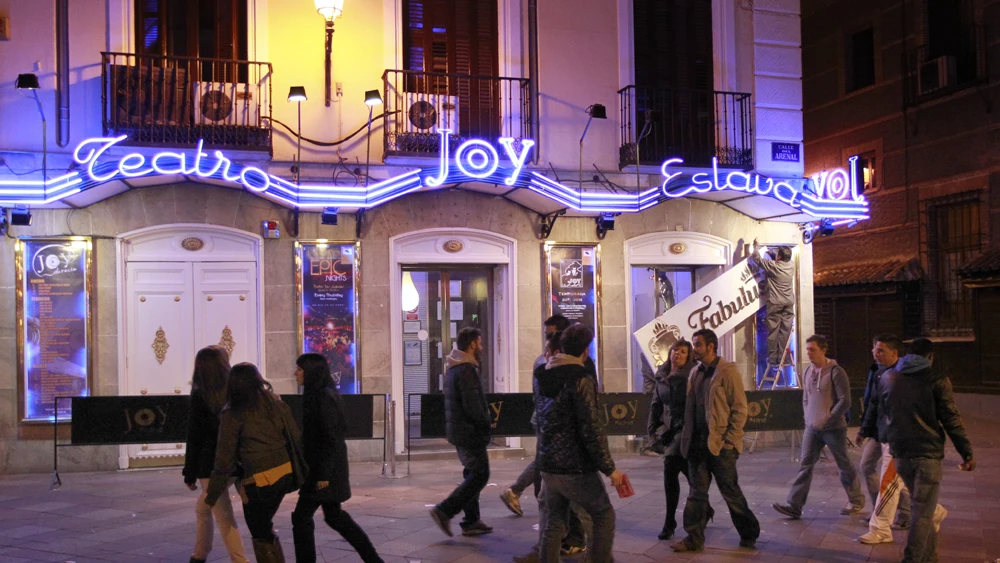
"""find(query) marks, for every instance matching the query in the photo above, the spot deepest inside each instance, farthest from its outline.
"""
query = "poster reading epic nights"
(572, 281)
(55, 312)
(328, 308)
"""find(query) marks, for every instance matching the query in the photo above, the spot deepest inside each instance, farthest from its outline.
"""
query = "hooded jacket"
(913, 410)
(725, 408)
(323, 433)
(570, 438)
(467, 416)
(667, 408)
(826, 396)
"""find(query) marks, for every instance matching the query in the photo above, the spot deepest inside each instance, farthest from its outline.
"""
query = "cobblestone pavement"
(148, 515)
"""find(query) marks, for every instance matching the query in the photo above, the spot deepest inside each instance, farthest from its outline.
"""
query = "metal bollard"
(389, 457)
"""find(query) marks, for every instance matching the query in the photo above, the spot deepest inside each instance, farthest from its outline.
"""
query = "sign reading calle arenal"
(721, 306)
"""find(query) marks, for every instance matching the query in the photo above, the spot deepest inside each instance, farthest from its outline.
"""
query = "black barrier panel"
(359, 410)
(152, 419)
(782, 410)
(620, 414)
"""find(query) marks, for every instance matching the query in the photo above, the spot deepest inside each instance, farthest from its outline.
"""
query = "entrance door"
(655, 289)
(175, 309)
(444, 300)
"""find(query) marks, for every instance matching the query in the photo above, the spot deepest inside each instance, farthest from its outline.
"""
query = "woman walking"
(208, 396)
(327, 484)
(667, 410)
(257, 431)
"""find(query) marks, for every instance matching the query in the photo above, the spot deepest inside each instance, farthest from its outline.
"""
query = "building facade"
(442, 166)
(909, 87)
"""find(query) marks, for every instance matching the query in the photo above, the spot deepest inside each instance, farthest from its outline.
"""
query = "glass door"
(655, 289)
(439, 301)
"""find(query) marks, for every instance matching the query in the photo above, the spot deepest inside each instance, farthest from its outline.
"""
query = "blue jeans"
(702, 466)
(588, 492)
(923, 477)
(812, 445)
(476, 471)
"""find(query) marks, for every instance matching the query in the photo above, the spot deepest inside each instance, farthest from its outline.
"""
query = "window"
(954, 237)
(452, 37)
(860, 62)
(867, 177)
(673, 44)
(206, 29)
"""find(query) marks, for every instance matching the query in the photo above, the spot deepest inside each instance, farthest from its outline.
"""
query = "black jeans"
(261, 506)
(922, 477)
(702, 466)
(303, 529)
(673, 466)
(476, 464)
(587, 491)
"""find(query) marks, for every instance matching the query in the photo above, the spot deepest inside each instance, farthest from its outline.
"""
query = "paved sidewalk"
(149, 515)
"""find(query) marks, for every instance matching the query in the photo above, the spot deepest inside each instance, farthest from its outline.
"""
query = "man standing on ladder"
(779, 271)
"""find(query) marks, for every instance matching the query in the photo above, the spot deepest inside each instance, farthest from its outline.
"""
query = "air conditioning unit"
(936, 74)
(141, 95)
(426, 113)
(221, 103)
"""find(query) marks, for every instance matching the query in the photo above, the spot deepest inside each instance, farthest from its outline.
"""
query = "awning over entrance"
(885, 271)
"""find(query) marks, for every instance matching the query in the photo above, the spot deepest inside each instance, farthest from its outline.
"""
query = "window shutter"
(673, 44)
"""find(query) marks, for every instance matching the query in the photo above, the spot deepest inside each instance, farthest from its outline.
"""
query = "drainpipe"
(533, 73)
(62, 72)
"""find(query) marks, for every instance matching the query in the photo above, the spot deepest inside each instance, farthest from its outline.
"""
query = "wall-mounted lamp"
(297, 94)
(329, 216)
(596, 111)
(372, 98)
(330, 10)
(30, 82)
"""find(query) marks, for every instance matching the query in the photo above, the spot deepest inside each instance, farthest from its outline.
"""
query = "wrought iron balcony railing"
(178, 100)
(696, 125)
(934, 70)
(484, 107)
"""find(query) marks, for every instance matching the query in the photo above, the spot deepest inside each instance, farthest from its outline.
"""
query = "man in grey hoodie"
(826, 396)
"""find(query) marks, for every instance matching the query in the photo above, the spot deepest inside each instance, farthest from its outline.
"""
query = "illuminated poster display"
(328, 307)
(572, 280)
(54, 318)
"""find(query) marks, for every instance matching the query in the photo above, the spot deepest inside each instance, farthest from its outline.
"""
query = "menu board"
(55, 311)
(571, 278)
(327, 316)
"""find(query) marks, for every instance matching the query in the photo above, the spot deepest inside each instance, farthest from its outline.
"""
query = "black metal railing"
(934, 70)
(472, 107)
(178, 100)
(695, 125)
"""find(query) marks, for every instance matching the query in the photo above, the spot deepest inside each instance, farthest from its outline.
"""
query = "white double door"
(173, 309)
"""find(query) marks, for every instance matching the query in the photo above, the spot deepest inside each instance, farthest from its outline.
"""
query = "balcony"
(695, 125)
(472, 107)
(934, 70)
(177, 101)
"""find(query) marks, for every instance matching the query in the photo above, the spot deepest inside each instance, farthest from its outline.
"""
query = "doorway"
(181, 288)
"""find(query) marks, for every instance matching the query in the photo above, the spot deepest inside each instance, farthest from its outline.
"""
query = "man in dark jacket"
(917, 409)
(467, 424)
(572, 448)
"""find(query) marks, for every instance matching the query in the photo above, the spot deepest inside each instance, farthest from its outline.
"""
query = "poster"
(721, 305)
(328, 308)
(572, 283)
(55, 310)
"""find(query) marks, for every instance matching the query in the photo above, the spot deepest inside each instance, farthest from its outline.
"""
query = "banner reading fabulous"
(721, 306)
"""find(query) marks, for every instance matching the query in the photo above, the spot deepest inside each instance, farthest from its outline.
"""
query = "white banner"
(721, 306)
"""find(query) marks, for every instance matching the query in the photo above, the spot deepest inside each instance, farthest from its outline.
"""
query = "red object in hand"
(625, 490)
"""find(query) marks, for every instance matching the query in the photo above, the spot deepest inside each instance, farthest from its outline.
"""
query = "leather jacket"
(570, 438)
(667, 408)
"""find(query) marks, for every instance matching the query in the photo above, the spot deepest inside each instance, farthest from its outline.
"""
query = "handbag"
(300, 469)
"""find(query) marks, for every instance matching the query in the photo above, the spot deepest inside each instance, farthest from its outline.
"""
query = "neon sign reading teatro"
(832, 194)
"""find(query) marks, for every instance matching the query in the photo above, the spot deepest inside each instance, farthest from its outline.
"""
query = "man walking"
(916, 410)
(886, 349)
(467, 424)
(826, 396)
(711, 440)
(572, 448)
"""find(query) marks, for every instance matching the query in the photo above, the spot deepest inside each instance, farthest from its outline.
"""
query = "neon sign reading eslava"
(834, 194)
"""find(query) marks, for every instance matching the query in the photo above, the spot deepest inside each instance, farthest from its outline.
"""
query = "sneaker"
(748, 543)
(901, 525)
(939, 515)
(786, 510)
(683, 546)
(512, 501)
(872, 538)
(442, 521)
(572, 549)
(477, 528)
(852, 508)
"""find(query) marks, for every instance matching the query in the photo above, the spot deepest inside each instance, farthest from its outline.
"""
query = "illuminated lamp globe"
(410, 297)
(330, 9)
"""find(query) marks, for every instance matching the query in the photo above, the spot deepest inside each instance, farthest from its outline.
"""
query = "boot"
(268, 551)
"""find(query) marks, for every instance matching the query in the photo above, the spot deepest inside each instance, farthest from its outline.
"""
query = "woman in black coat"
(208, 396)
(325, 452)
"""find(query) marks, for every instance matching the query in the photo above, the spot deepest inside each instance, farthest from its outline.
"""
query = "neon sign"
(832, 194)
